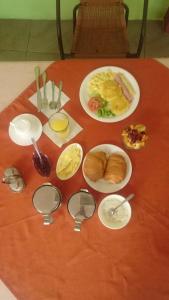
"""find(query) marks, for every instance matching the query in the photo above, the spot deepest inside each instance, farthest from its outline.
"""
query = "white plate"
(21, 138)
(84, 97)
(116, 221)
(61, 156)
(101, 185)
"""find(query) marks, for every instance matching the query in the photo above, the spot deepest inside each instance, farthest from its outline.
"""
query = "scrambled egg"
(109, 90)
(103, 85)
(95, 82)
(68, 162)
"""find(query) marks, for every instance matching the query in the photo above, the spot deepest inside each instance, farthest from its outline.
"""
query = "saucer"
(23, 127)
(120, 218)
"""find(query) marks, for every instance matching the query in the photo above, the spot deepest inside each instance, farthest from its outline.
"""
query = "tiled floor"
(36, 40)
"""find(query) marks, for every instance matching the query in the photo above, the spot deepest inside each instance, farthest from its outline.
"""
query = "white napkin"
(5, 293)
(47, 111)
(75, 128)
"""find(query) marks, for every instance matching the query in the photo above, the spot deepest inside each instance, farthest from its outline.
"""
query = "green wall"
(45, 9)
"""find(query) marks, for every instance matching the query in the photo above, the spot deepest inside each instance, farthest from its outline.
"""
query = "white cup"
(22, 126)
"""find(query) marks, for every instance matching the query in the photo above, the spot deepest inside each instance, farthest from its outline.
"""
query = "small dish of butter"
(69, 161)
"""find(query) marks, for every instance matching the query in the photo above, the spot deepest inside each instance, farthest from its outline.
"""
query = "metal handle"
(37, 74)
(59, 96)
(39, 97)
(44, 76)
(78, 222)
(127, 199)
(47, 219)
(53, 91)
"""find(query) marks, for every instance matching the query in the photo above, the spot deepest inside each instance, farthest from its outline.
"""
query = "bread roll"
(101, 155)
(116, 168)
(94, 165)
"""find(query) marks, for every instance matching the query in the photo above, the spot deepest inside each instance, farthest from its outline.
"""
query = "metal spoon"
(128, 198)
(36, 149)
(44, 99)
(39, 97)
(59, 96)
(53, 103)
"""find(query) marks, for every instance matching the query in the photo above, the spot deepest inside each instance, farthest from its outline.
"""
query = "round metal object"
(46, 199)
(13, 178)
(81, 206)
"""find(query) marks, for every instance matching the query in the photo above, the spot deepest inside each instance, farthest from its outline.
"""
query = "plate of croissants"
(107, 168)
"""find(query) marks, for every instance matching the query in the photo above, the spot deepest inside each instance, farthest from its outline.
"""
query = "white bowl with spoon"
(115, 211)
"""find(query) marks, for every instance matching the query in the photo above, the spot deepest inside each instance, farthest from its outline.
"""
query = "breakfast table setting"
(84, 210)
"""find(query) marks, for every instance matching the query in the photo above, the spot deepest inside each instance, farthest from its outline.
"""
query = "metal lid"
(81, 206)
(46, 199)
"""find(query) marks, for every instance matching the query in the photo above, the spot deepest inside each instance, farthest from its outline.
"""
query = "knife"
(39, 97)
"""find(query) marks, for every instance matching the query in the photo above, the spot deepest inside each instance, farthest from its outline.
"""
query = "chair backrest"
(100, 30)
(105, 4)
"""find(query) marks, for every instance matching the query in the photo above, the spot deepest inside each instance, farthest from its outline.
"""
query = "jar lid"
(81, 206)
(46, 199)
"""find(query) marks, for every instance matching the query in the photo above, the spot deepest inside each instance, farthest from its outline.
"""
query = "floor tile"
(12, 55)
(37, 40)
(67, 33)
(134, 28)
(157, 41)
(43, 37)
(14, 34)
(33, 56)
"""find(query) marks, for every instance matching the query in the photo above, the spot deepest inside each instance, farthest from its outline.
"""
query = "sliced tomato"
(94, 103)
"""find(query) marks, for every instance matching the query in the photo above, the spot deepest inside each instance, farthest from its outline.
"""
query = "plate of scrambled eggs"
(69, 161)
(109, 94)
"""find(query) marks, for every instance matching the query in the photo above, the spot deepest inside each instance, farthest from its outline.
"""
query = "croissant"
(101, 155)
(116, 168)
(94, 165)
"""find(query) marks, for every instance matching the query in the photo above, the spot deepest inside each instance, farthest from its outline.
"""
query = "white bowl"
(23, 127)
(102, 185)
(120, 218)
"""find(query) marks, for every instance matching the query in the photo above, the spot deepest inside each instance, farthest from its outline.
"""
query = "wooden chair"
(100, 29)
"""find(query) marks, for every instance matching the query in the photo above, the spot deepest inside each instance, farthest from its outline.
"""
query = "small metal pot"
(46, 199)
(13, 178)
(81, 206)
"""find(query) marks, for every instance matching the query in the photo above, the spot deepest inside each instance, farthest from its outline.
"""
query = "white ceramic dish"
(84, 97)
(23, 127)
(120, 219)
(101, 185)
(78, 146)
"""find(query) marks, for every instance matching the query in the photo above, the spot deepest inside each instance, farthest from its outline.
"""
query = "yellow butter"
(68, 162)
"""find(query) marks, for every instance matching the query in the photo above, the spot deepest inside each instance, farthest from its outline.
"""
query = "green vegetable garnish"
(104, 113)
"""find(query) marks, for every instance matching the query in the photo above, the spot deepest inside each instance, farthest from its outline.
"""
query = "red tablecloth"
(55, 263)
